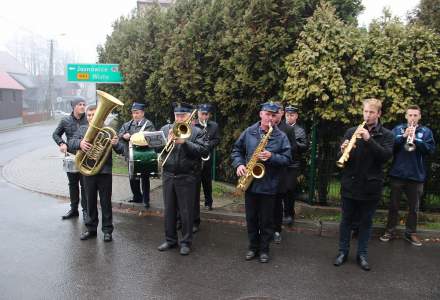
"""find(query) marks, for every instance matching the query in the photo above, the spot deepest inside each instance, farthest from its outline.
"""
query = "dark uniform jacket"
(75, 141)
(300, 144)
(186, 158)
(411, 165)
(278, 144)
(132, 127)
(362, 176)
(68, 126)
(211, 133)
(290, 133)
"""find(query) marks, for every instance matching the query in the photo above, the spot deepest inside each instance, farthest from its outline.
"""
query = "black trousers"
(289, 197)
(102, 184)
(179, 193)
(206, 182)
(138, 194)
(259, 220)
(413, 191)
(75, 181)
(278, 212)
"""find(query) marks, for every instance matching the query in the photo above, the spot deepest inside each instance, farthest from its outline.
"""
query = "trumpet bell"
(182, 131)
(410, 147)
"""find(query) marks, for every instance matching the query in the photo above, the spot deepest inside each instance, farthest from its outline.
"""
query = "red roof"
(7, 82)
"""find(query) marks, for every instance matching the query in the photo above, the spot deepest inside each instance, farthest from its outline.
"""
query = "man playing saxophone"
(370, 146)
(412, 143)
(261, 193)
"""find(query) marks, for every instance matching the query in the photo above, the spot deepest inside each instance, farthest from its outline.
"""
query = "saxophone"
(346, 154)
(254, 169)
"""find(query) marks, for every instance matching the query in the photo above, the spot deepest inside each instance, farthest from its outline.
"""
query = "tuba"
(346, 155)
(90, 162)
(181, 130)
(410, 145)
(254, 169)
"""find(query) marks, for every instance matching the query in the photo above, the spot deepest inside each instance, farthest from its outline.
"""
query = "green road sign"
(102, 73)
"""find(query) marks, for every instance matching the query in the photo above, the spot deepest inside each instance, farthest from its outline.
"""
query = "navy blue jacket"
(411, 165)
(278, 144)
(74, 143)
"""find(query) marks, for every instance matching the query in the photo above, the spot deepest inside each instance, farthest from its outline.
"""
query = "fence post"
(312, 170)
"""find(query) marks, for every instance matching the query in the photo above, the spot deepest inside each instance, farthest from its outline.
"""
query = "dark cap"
(182, 107)
(270, 106)
(76, 100)
(205, 108)
(137, 106)
(291, 109)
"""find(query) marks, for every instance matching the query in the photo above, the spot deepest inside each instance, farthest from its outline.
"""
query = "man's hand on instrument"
(344, 145)
(126, 136)
(364, 134)
(85, 146)
(63, 148)
(241, 170)
(264, 155)
(409, 131)
(114, 140)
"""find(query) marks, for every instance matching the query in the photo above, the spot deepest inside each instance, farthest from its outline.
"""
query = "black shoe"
(165, 246)
(184, 250)
(363, 263)
(208, 207)
(108, 237)
(70, 214)
(86, 235)
(251, 254)
(134, 201)
(196, 229)
(340, 259)
(264, 258)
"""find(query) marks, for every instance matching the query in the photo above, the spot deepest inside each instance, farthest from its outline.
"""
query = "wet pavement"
(42, 257)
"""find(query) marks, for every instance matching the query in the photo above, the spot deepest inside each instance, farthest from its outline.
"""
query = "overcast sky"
(85, 23)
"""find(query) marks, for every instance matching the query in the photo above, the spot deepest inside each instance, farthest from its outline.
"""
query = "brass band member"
(127, 130)
(362, 180)
(287, 178)
(211, 130)
(180, 177)
(100, 183)
(412, 143)
(68, 126)
(260, 196)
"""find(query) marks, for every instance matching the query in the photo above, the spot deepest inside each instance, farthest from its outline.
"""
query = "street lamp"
(49, 94)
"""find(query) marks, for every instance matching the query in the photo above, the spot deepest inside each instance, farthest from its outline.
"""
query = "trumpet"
(410, 145)
(181, 130)
(346, 155)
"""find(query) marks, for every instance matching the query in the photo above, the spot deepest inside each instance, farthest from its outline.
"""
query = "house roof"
(24, 80)
(7, 82)
(9, 64)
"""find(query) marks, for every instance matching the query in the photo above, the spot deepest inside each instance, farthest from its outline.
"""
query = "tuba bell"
(91, 162)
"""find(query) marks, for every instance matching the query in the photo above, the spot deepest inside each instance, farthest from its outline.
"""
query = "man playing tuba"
(260, 194)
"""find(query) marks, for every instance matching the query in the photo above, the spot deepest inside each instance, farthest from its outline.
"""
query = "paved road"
(42, 257)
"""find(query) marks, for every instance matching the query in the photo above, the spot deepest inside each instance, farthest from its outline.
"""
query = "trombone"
(181, 130)
(205, 125)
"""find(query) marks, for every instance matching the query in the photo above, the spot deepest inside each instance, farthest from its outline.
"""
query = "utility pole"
(49, 94)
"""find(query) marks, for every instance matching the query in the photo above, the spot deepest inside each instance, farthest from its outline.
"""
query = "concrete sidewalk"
(41, 171)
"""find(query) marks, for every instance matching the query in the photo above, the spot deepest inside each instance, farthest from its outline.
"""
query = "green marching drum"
(142, 160)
